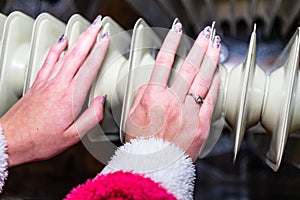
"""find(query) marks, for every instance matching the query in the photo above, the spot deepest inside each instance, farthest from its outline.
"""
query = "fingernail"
(105, 35)
(216, 42)
(97, 21)
(206, 32)
(177, 27)
(62, 38)
(103, 99)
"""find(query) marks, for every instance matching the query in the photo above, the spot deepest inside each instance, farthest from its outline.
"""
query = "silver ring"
(198, 99)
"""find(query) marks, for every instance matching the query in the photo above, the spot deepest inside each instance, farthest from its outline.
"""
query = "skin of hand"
(46, 120)
(170, 112)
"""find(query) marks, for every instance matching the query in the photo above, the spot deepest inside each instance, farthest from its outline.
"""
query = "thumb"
(88, 119)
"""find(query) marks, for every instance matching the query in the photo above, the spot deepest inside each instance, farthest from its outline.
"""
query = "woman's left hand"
(46, 121)
(181, 113)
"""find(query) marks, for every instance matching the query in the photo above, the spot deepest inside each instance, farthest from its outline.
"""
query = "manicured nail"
(62, 38)
(216, 42)
(206, 32)
(177, 27)
(97, 21)
(105, 35)
(103, 99)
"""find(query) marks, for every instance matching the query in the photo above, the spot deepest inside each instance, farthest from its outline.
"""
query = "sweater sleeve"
(159, 160)
(3, 159)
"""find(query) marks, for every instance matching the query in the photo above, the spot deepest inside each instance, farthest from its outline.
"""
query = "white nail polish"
(177, 27)
(105, 35)
(97, 21)
(216, 41)
(206, 32)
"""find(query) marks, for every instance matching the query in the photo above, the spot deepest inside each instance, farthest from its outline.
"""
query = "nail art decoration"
(62, 38)
(177, 27)
(206, 32)
(216, 42)
(97, 20)
(105, 35)
(103, 99)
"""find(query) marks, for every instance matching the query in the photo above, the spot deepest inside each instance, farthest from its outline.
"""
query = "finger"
(203, 80)
(191, 65)
(137, 99)
(51, 59)
(74, 57)
(207, 108)
(89, 69)
(190, 109)
(166, 55)
(89, 119)
(205, 117)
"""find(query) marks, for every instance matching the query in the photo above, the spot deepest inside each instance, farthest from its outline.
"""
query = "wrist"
(16, 150)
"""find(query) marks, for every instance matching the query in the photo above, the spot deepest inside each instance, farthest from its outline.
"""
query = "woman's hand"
(46, 121)
(172, 113)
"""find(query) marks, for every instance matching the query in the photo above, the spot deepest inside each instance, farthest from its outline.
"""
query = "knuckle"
(76, 52)
(189, 70)
(54, 50)
(203, 82)
(56, 86)
(164, 58)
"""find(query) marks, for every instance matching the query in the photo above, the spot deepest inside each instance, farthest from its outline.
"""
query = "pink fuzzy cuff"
(118, 186)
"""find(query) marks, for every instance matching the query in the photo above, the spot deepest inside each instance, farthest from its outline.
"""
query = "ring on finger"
(198, 99)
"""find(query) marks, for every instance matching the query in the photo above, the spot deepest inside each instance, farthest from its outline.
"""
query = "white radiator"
(249, 98)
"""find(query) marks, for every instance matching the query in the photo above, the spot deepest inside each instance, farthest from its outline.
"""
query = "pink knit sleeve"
(159, 160)
(120, 185)
(142, 169)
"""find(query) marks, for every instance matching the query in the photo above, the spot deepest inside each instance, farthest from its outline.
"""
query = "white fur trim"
(3, 159)
(159, 160)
